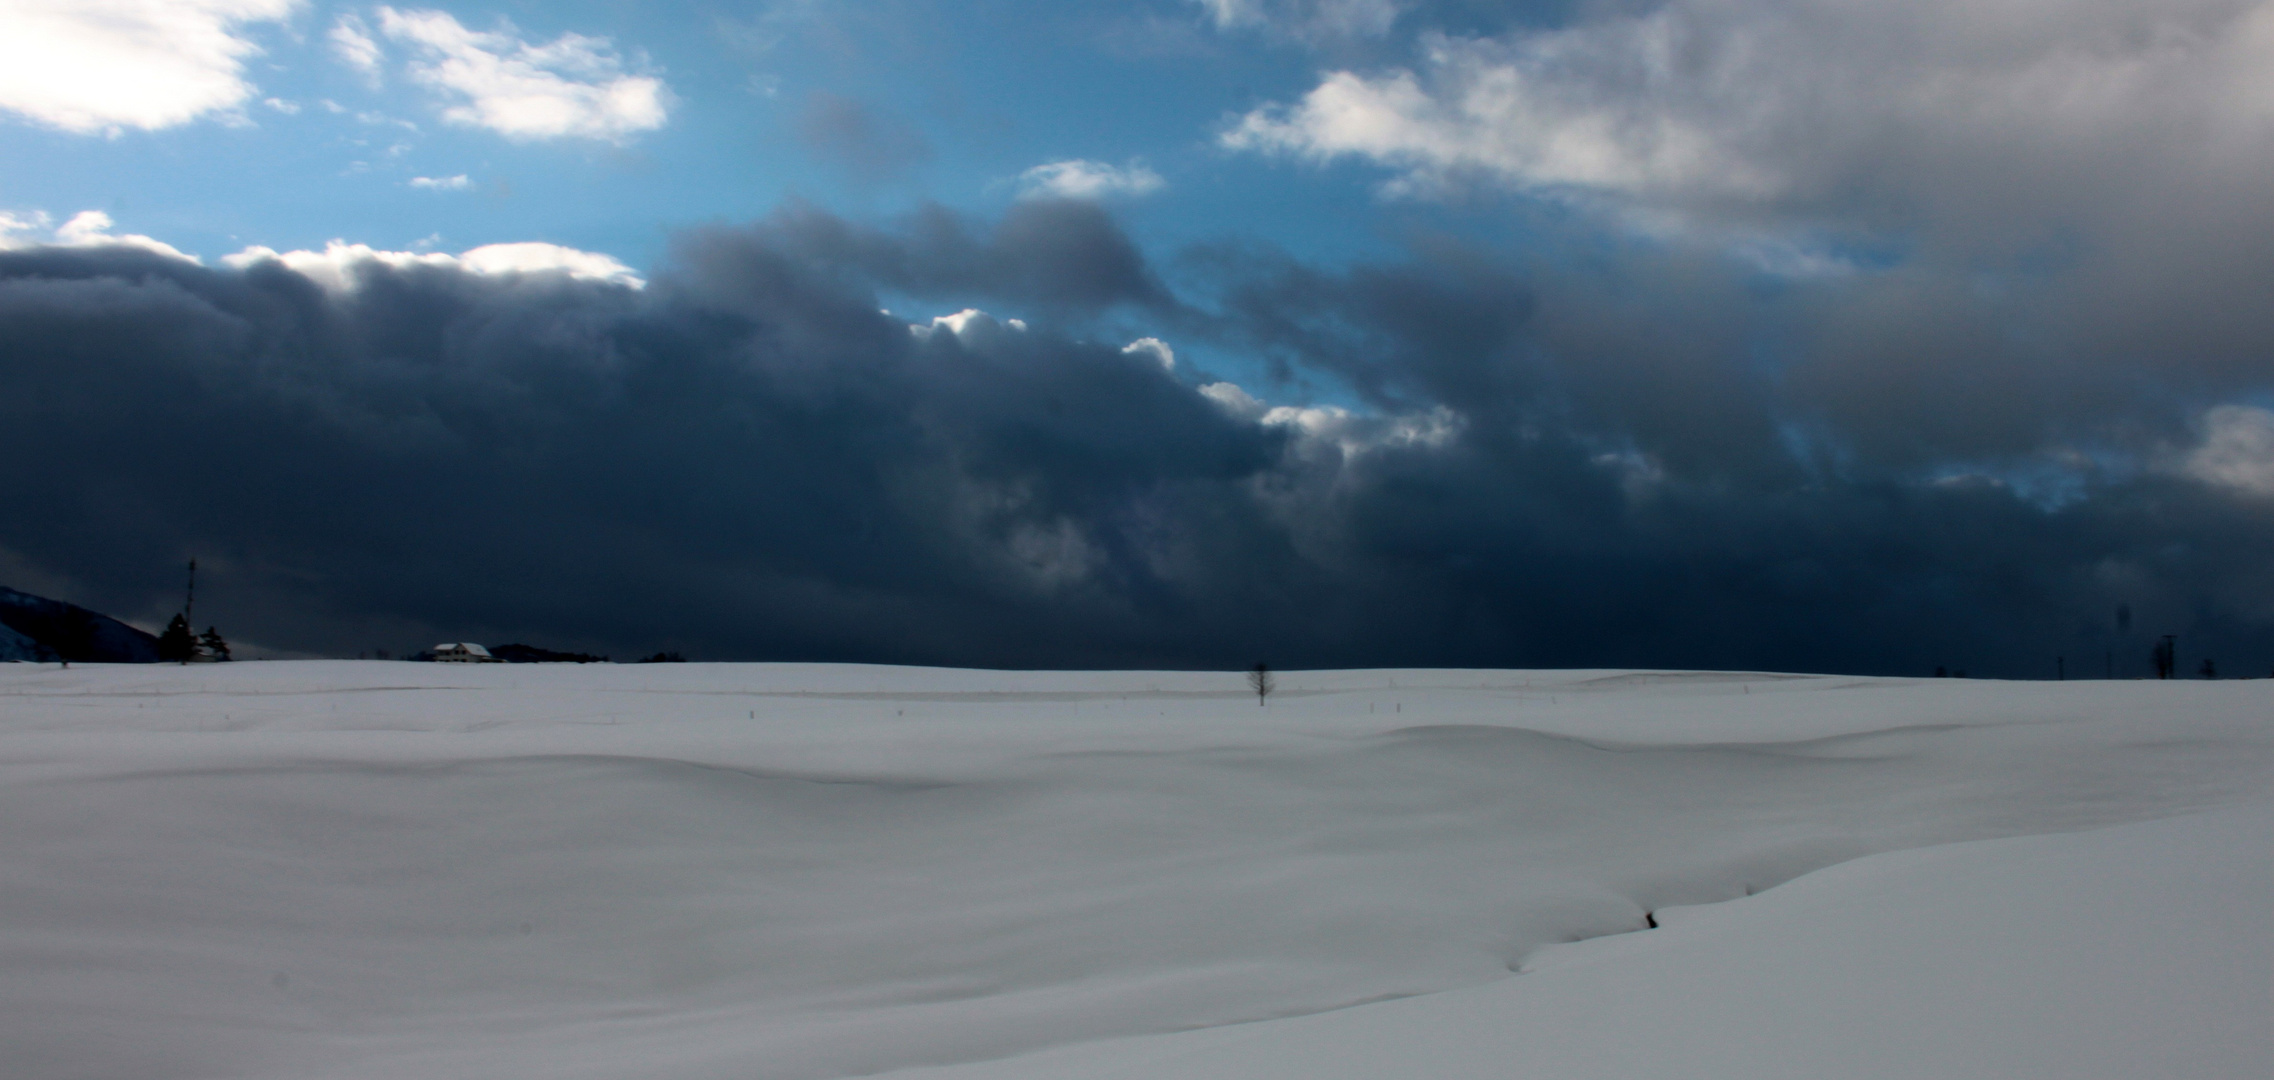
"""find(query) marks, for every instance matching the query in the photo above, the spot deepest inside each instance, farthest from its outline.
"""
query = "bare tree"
(1261, 681)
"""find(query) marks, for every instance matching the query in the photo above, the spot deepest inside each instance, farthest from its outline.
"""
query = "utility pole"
(189, 603)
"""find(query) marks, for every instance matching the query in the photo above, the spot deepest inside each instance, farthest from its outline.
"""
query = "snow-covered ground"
(329, 870)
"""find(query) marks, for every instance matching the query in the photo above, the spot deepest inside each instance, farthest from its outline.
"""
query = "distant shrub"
(531, 654)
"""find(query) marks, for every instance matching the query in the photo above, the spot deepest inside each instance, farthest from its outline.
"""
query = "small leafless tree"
(1260, 681)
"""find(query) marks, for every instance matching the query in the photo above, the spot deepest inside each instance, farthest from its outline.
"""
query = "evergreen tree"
(213, 645)
(177, 643)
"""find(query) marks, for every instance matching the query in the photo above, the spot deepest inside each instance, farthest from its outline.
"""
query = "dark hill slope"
(44, 629)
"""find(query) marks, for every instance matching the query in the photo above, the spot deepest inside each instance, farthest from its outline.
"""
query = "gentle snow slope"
(2137, 951)
(333, 870)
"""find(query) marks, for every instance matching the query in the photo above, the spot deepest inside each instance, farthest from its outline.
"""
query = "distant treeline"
(518, 653)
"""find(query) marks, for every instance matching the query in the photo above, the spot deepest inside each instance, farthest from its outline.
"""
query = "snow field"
(336, 869)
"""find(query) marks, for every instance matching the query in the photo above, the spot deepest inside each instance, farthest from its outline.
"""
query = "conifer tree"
(213, 644)
(177, 643)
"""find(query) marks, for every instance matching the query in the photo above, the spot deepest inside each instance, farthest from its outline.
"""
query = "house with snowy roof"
(463, 652)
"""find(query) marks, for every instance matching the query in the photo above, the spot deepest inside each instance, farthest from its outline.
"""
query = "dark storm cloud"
(1672, 452)
(747, 459)
(1058, 254)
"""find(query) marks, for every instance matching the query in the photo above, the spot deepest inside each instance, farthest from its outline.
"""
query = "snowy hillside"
(332, 870)
(37, 628)
(15, 646)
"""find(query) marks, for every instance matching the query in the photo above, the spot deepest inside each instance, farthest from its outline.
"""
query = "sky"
(1783, 334)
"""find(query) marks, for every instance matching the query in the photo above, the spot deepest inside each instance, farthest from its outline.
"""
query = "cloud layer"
(2004, 116)
(342, 267)
(747, 458)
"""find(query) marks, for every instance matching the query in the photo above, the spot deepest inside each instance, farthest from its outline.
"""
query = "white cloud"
(1234, 400)
(353, 44)
(1082, 179)
(101, 66)
(288, 108)
(87, 228)
(2237, 451)
(337, 266)
(1319, 428)
(530, 257)
(1306, 18)
(970, 325)
(442, 183)
(1155, 348)
(380, 119)
(13, 225)
(574, 86)
(1520, 114)
(1769, 110)
(1356, 433)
